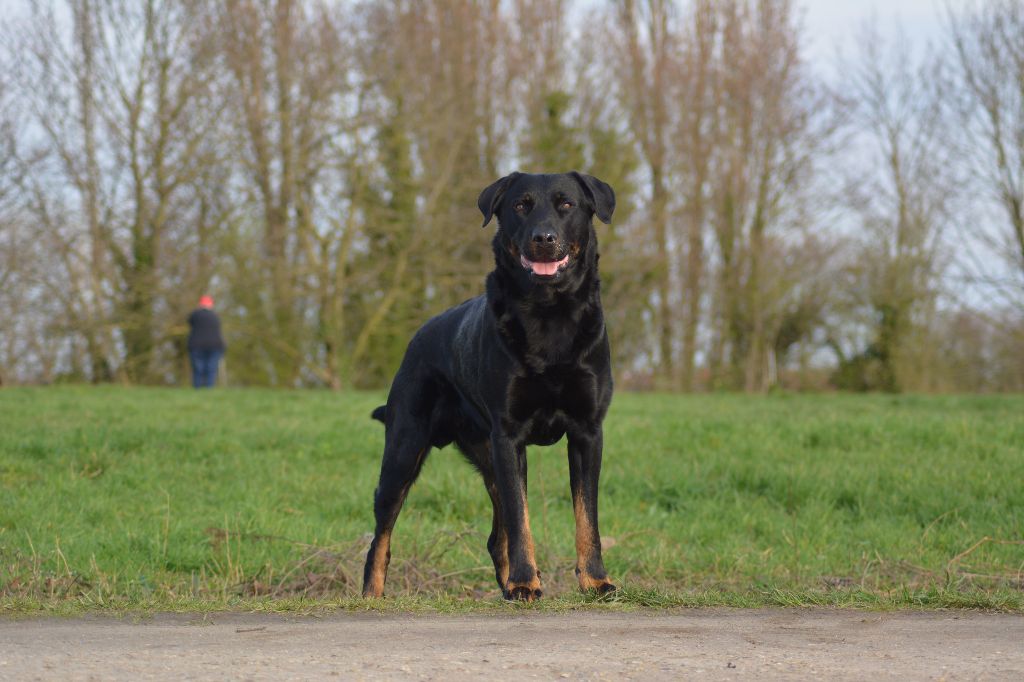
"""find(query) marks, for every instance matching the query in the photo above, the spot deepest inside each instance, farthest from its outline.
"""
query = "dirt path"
(713, 643)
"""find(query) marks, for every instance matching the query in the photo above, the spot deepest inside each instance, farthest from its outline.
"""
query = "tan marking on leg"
(374, 587)
(378, 572)
(584, 547)
(530, 553)
(500, 556)
(533, 586)
(585, 550)
(501, 563)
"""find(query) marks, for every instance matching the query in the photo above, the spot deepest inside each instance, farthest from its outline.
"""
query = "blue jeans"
(204, 367)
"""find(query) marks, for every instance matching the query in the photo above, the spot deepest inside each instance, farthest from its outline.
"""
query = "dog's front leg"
(584, 472)
(509, 460)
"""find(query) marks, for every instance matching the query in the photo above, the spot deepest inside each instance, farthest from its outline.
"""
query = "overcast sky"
(833, 22)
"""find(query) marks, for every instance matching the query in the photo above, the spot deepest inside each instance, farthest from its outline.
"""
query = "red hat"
(205, 301)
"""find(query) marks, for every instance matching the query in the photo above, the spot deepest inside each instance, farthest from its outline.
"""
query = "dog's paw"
(528, 590)
(523, 593)
(601, 586)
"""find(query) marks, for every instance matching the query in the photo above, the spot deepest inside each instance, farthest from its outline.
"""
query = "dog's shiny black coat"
(525, 364)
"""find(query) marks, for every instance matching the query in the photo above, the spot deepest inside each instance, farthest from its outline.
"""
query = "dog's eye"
(519, 206)
(565, 205)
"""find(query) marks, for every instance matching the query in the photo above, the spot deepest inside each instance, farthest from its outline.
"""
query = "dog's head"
(545, 221)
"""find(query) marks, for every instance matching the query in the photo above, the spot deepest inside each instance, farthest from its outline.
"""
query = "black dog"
(525, 364)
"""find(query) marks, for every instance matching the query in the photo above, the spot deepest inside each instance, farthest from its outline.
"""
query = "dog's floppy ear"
(490, 198)
(600, 195)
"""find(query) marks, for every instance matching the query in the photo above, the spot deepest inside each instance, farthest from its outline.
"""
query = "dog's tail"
(380, 414)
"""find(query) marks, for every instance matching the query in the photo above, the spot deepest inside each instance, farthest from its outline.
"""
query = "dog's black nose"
(544, 235)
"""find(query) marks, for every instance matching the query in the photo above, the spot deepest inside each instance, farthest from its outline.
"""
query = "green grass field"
(172, 499)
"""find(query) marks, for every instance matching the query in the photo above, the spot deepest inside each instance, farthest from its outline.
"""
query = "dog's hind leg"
(479, 454)
(497, 543)
(405, 449)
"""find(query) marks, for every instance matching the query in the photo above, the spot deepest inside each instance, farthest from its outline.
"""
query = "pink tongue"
(544, 268)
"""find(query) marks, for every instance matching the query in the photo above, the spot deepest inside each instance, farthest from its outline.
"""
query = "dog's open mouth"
(544, 268)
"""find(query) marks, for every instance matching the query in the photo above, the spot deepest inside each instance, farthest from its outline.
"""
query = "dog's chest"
(549, 342)
(544, 406)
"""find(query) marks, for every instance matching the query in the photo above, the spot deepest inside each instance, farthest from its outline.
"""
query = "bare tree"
(729, 123)
(159, 60)
(646, 47)
(19, 322)
(72, 194)
(442, 135)
(610, 151)
(119, 99)
(988, 74)
(903, 201)
(771, 126)
(286, 92)
(700, 82)
(544, 86)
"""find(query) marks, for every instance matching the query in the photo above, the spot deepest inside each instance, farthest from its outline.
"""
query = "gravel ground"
(711, 643)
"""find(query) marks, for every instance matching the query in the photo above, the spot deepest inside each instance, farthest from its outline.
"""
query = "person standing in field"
(205, 343)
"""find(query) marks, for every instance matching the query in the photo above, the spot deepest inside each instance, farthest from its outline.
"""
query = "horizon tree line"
(315, 165)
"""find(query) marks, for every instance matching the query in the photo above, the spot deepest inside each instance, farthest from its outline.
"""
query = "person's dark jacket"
(205, 331)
